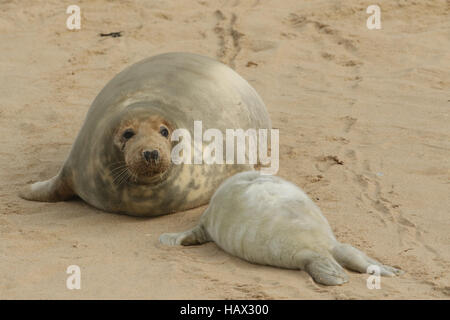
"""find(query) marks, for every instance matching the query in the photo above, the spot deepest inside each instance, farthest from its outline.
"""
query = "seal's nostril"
(151, 155)
(147, 155)
(154, 155)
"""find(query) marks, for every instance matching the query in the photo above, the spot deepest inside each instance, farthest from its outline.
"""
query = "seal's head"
(146, 147)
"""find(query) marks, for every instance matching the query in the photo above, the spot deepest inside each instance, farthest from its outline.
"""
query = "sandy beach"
(364, 120)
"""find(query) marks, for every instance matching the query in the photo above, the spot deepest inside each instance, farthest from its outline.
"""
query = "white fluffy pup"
(268, 220)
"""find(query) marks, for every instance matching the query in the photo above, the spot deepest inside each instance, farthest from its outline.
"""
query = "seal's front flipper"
(196, 235)
(326, 271)
(52, 190)
(353, 259)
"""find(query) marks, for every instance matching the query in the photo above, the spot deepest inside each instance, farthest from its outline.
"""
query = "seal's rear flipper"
(196, 235)
(326, 271)
(353, 259)
(52, 190)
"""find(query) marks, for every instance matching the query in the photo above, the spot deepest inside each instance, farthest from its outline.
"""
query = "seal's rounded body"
(267, 220)
(177, 89)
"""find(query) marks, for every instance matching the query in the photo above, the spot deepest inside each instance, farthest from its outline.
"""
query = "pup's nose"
(151, 155)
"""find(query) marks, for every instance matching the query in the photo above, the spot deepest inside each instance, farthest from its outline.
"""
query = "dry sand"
(364, 130)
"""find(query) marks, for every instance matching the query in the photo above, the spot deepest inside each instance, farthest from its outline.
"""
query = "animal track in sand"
(345, 52)
(232, 289)
(288, 35)
(379, 202)
(341, 60)
(229, 37)
(289, 151)
(325, 162)
(349, 122)
(299, 21)
(341, 140)
(388, 212)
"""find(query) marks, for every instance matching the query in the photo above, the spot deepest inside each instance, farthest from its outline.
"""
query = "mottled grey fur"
(182, 88)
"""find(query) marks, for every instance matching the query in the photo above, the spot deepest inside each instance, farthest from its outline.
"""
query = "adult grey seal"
(267, 220)
(121, 159)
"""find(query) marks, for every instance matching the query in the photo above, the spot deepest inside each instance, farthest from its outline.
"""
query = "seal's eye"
(164, 132)
(128, 134)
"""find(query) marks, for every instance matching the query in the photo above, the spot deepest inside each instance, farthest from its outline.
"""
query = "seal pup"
(267, 220)
(121, 159)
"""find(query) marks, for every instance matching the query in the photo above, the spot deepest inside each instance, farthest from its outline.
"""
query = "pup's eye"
(128, 134)
(164, 132)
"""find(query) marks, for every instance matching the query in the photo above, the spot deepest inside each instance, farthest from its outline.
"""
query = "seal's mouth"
(152, 179)
(153, 169)
(140, 172)
(149, 170)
